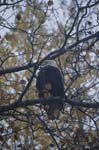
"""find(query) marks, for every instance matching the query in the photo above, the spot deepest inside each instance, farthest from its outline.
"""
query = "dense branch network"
(52, 55)
(73, 44)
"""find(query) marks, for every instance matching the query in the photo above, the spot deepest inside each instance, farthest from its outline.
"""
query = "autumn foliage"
(30, 32)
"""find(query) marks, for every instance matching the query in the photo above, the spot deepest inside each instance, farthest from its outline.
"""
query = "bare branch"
(17, 69)
(51, 55)
(24, 104)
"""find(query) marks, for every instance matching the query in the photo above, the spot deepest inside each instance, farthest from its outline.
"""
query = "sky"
(8, 16)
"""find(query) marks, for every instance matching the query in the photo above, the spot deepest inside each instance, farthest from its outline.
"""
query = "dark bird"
(50, 85)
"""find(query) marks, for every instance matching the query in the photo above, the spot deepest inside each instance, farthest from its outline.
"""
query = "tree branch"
(17, 69)
(52, 55)
(63, 50)
(7, 4)
(34, 102)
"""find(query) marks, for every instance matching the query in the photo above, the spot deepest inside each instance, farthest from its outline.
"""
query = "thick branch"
(64, 50)
(17, 69)
(34, 102)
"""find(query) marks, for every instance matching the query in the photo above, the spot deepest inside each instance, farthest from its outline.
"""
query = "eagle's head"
(49, 63)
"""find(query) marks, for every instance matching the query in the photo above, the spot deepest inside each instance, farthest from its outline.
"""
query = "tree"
(33, 31)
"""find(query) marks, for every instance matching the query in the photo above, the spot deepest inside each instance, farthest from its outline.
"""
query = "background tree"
(30, 32)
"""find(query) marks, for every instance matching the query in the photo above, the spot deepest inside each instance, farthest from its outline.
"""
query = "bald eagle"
(50, 84)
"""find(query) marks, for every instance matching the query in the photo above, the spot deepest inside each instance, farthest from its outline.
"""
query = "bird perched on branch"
(50, 85)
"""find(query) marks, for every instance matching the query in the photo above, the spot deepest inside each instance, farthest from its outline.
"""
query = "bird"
(50, 84)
